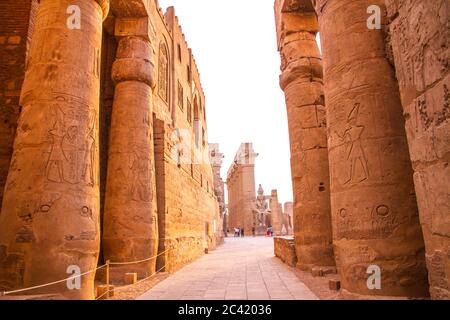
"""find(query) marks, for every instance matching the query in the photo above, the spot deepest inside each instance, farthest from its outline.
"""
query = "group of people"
(240, 233)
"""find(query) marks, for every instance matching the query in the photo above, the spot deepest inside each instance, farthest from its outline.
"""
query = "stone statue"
(261, 208)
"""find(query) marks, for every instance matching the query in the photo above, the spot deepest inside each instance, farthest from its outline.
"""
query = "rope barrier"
(107, 265)
(130, 285)
(52, 283)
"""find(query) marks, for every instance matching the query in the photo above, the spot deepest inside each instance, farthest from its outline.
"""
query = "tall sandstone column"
(374, 211)
(130, 219)
(275, 213)
(420, 35)
(51, 208)
(302, 82)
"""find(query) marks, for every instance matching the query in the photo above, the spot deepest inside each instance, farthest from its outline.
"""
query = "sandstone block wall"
(188, 209)
(420, 41)
(187, 212)
(284, 248)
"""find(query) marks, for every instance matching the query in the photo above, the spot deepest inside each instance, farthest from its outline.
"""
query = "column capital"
(134, 61)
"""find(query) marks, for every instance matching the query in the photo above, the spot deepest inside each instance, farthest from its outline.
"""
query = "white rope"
(51, 283)
(133, 284)
(86, 273)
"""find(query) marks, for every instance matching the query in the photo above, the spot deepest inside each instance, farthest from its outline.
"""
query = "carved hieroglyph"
(130, 219)
(301, 80)
(420, 35)
(374, 211)
(50, 214)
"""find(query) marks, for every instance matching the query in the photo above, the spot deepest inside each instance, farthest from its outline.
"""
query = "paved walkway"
(242, 269)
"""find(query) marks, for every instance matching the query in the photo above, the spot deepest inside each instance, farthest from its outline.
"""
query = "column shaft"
(302, 83)
(374, 211)
(50, 213)
(130, 219)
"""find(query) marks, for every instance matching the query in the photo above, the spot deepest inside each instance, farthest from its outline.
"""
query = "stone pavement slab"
(241, 269)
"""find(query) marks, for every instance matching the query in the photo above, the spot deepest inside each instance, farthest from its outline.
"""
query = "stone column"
(130, 219)
(420, 34)
(302, 83)
(276, 213)
(50, 214)
(374, 211)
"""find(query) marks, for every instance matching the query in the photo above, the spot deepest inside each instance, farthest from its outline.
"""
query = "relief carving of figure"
(72, 154)
(140, 177)
(355, 156)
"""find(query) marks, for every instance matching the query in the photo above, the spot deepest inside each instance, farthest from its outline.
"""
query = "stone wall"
(15, 36)
(420, 41)
(188, 208)
(187, 212)
(284, 248)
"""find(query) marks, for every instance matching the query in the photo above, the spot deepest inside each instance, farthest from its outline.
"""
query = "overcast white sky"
(234, 44)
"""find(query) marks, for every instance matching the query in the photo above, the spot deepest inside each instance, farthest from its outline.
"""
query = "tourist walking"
(242, 233)
(271, 231)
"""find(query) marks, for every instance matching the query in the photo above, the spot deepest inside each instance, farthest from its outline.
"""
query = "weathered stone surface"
(130, 228)
(55, 170)
(15, 36)
(334, 285)
(375, 217)
(102, 292)
(302, 82)
(284, 248)
(219, 190)
(262, 213)
(130, 278)
(187, 206)
(51, 204)
(242, 190)
(288, 217)
(420, 39)
(276, 213)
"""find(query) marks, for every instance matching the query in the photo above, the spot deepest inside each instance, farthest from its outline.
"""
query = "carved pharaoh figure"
(261, 208)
